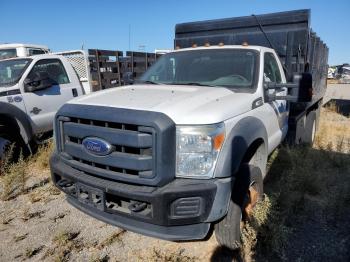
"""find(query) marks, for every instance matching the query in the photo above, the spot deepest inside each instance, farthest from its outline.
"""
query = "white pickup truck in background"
(31, 91)
(34, 84)
(21, 50)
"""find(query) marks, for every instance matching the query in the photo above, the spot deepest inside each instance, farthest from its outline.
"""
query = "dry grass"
(64, 238)
(30, 252)
(20, 237)
(12, 181)
(40, 160)
(27, 215)
(334, 131)
(114, 237)
(174, 256)
(63, 244)
(15, 175)
(302, 183)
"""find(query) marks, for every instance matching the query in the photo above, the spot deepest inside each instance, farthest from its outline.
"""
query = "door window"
(54, 69)
(271, 69)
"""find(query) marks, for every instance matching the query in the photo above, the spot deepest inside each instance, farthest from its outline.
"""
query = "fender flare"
(241, 137)
(243, 134)
(21, 118)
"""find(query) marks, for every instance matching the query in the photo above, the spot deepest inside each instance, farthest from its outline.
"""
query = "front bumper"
(180, 210)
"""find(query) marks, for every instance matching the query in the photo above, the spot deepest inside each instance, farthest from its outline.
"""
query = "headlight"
(197, 149)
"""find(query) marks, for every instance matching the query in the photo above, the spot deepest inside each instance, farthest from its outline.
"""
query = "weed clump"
(64, 243)
(115, 237)
(14, 175)
(176, 256)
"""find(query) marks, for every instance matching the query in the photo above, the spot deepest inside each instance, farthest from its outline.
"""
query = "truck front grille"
(137, 144)
(132, 148)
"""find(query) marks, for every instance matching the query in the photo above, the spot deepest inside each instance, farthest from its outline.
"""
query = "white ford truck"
(185, 148)
(32, 89)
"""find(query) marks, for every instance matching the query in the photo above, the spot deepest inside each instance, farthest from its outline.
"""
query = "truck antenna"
(268, 40)
(262, 30)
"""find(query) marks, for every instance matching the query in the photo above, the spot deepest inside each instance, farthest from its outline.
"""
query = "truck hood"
(183, 104)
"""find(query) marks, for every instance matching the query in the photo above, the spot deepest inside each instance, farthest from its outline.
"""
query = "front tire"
(9, 143)
(246, 192)
(5, 144)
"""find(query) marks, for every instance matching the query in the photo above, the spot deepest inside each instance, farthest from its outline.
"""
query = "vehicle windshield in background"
(8, 53)
(209, 67)
(12, 70)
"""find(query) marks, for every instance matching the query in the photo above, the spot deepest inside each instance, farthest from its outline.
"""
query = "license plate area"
(91, 196)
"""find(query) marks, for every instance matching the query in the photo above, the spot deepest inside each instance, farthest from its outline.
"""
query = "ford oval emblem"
(97, 146)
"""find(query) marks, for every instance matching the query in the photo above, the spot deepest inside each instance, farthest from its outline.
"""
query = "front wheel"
(4, 146)
(246, 192)
(9, 144)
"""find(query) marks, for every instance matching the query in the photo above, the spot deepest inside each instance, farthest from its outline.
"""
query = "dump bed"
(300, 49)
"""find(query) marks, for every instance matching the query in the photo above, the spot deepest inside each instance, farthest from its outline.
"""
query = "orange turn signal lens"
(218, 141)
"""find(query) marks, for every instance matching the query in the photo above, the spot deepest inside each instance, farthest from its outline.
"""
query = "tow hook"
(137, 206)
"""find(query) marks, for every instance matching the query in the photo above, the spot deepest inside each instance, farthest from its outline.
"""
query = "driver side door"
(42, 105)
(272, 73)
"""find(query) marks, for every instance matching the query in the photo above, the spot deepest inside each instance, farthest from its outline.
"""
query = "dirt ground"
(307, 218)
(34, 231)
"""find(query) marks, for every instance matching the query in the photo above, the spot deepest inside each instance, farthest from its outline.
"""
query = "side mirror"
(128, 78)
(40, 81)
(299, 91)
(305, 90)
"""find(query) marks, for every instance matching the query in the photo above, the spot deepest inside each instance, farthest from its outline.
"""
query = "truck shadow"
(342, 106)
(306, 209)
(225, 254)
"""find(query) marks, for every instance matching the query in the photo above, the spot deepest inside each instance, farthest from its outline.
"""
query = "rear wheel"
(247, 191)
(310, 128)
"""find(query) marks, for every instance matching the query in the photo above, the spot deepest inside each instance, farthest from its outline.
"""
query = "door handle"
(74, 92)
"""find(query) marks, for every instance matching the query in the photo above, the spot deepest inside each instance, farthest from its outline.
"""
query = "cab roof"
(15, 45)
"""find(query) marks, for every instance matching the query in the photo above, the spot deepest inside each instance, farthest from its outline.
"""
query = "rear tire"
(228, 230)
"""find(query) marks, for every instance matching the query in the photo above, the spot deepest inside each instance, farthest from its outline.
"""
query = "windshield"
(8, 53)
(233, 68)
(12, 70)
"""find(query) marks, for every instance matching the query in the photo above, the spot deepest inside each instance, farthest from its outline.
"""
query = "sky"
(67, 25)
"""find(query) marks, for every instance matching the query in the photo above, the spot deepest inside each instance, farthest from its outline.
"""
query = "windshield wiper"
(148, 82)
(189, 84)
